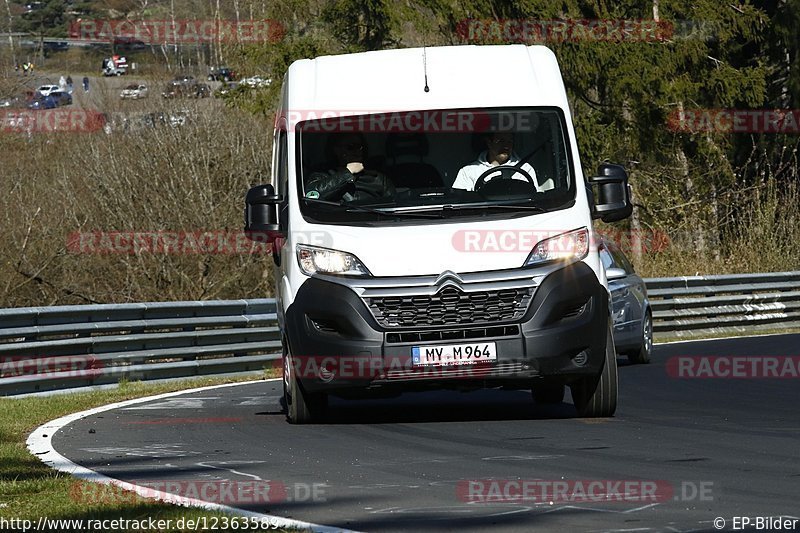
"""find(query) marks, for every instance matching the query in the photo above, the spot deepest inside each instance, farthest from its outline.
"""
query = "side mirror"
(613, 198)
(615, 273)
(261, 213)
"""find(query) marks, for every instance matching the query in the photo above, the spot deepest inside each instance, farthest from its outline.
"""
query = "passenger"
(349, 180)
(499, 151)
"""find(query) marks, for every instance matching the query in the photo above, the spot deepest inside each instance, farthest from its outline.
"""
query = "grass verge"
(29, 489)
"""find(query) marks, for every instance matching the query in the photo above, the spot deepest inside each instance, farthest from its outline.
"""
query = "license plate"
(454, 354)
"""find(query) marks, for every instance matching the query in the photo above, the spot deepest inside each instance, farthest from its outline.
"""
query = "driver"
(499, 151)
(349, 180)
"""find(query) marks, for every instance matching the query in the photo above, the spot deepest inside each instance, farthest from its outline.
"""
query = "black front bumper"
(337, 345)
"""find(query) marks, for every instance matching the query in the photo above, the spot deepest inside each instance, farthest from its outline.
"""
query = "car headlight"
(567, 247)
(315, 260)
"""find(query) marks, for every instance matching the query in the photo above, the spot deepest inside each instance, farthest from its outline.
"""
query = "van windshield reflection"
(456, 163)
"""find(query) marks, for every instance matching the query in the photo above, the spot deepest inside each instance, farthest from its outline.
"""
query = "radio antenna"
(425, 67)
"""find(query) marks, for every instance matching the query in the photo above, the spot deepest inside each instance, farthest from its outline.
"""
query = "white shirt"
(469, 174)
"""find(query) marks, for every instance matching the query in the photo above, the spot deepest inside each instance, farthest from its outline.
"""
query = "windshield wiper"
(466, 207)
(355, 207)
(535, 208)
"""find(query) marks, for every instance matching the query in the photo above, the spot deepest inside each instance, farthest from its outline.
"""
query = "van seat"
(415, 173)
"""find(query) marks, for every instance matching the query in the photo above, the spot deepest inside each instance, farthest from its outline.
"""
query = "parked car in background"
(170, 91)
(221, 74)
(177, 89)
(114, 66)
(134, 91)
(202, 90)
(56, 46)
(42, 102)
(62, 98)
(45, 90)
(256, 81)
(630, 307)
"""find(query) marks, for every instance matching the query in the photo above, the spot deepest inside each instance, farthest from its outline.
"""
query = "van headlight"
(568, 247)
(313, 260)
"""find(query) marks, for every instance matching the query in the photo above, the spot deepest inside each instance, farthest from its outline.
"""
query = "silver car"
(630, 307)
(45, 90)
(134, 92)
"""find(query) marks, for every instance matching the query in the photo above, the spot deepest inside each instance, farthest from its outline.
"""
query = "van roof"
(468, 76)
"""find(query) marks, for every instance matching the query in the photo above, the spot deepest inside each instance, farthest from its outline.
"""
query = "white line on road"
(40, 444)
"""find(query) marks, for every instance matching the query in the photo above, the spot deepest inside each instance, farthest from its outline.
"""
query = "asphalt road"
(712, 447)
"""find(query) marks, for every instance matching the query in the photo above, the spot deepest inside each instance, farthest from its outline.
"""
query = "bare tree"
(10, 36)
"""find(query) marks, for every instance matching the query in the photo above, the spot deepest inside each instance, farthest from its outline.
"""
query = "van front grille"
(450, 307)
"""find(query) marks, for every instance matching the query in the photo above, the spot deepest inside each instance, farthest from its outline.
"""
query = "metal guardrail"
(696, 306)
(47, 348)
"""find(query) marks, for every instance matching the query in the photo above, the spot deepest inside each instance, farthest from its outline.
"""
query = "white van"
(432, 228)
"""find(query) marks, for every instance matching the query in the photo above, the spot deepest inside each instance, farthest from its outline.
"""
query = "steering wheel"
(481, 181)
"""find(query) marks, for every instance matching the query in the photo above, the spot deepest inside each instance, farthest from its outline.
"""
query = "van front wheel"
(301, 407)
(596, 396)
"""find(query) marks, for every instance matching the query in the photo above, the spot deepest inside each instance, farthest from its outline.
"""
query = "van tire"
(301, 407)
(549, 393)
(596, 396)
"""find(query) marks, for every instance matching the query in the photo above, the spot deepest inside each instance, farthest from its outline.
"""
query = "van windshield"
(433, 164)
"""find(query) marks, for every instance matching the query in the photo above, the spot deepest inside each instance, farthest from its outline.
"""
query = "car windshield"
(434, 164)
